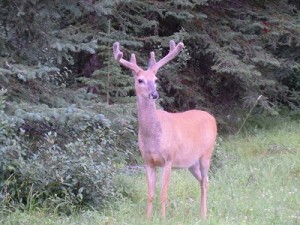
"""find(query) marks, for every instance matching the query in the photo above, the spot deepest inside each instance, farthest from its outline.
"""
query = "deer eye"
(140, 81)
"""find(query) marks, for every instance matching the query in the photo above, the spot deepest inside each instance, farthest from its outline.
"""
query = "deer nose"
(153, 95)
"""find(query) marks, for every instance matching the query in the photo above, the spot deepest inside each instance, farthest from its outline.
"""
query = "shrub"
(63, 159)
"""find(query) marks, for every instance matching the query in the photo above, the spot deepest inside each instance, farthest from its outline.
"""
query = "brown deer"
(167, 140)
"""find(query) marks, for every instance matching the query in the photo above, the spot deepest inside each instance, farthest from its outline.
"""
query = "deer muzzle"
(153, 95)
(152, 90)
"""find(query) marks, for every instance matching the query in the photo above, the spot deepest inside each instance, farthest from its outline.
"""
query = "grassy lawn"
(258, 183)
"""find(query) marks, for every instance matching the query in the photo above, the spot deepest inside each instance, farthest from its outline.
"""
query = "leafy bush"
(62, 159)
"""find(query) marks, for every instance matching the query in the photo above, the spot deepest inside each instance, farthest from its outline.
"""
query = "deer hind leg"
(164, 188)
(151, 181)
(195, 170)
(204, 167)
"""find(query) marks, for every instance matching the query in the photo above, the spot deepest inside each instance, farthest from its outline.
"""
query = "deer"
(165, 139)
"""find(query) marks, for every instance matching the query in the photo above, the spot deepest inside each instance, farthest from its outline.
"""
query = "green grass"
(258, 183)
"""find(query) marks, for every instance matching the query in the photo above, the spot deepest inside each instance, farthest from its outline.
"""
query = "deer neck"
(149, 125)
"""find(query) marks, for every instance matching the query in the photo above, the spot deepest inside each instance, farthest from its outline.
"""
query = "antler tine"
(174, 51)
(116, 50)
(152, 60)
(118, 55)
(172, 45)
(133, 59)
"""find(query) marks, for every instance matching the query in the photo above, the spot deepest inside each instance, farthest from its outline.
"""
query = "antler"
(119, 57)
(174, 51)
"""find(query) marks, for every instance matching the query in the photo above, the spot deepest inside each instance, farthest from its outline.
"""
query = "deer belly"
(186, 160)
(184, 164)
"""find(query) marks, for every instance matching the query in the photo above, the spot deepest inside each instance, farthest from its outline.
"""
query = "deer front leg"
(151, 181)
(164, 189)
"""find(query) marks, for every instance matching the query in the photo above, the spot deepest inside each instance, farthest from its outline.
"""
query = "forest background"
(67, 109)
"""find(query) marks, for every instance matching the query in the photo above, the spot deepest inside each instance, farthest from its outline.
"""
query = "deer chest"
(150, 150)
(154, 159)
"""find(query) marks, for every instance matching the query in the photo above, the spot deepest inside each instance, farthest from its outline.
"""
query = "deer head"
(145, 80)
